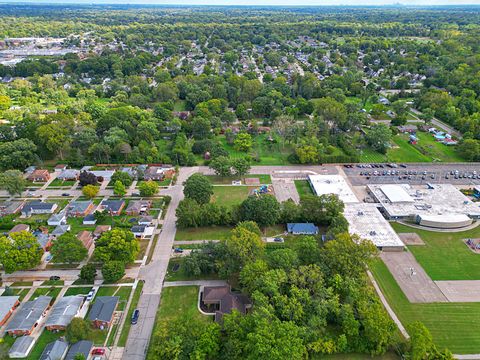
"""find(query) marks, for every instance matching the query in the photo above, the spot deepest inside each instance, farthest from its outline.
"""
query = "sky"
(261, 2)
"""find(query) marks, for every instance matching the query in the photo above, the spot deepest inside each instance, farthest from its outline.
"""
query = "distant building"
(11, 207)
(302, 229)
(137, 207)
(154, 173)
(80, 208)
(39, 176)
(57, 219)
(38, 207)
(113, 207)
(69, 175)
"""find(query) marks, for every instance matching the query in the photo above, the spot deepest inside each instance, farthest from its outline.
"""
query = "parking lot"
(415, 174)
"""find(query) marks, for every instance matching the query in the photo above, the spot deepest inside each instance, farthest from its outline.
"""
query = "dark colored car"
(65, 194)
(54, 278)
(135, 316)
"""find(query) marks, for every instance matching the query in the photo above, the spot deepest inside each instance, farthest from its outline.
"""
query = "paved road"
(154, 274)
(439, 123)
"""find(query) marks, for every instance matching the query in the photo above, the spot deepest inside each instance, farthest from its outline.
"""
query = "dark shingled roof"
(227, 300)
(81, 347)
(103, 308)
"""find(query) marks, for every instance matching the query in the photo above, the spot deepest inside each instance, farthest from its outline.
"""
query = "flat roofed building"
(438, 205)
(63, 312)
(366, 221)
(28, 316)
(332, 184)
(395, 193)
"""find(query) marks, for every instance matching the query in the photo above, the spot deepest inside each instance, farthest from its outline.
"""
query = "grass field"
(53, 292)
(303, 188)
(452, 325)
(229, 195)
(176, 302)
(78, 291)
(180, 275)
(444, 255)
(227, 180)
(404, 152)
(206, 233)
(133, 305)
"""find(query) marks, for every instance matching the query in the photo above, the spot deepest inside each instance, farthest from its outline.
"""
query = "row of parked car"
(376, 166)
(466, 175)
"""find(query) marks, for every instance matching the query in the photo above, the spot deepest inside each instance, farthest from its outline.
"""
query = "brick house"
(102, 311)
(40, 175)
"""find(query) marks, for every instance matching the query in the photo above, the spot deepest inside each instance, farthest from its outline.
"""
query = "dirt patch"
(411, 239)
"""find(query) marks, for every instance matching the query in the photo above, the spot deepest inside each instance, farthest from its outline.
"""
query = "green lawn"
(268, 153)
(78, 291)
(133, 305)
(123, 293)
(227, 180)
(230, 195)
(371, 156)
(387, 356)
(444, 255)
(452, 325)
(45, 338)
(435, 149)
(203, 233)
(180, 275)
(404, 152)
(176, 302)
(21, 293)
(53, 292)
(303, 188)
(61, 183)
(180, 105)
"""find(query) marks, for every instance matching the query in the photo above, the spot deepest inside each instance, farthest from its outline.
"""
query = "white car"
(90, 295)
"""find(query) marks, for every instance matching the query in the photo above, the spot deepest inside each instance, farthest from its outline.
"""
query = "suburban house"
(220, 300)
(142, 231)
(28, 316)
(81, 347)
(55, 350)
(21, 347)
(39, 176)
(80, 208)
(43, 240)
(145, 220)
(69, 175)
(86, 237)
(19, 227)
(101, 313)
(63, 312)
(130, 171)
(137, 207)
(11, 207)
(57, 219)
(89, 220)
(154, 173)
(100, 229)
(38, 207)
(113, 207)
(60, 168)
(302, 229)
(7, 305)
(60, 230)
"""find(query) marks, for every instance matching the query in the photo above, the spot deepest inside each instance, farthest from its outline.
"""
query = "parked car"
(178, 250)
(65, 194)
(90, 297)
(278, 239)
(98, 351)
(135, 316)
(54, 278)
(48, 258)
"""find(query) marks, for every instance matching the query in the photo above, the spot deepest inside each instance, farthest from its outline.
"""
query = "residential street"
(154, 274)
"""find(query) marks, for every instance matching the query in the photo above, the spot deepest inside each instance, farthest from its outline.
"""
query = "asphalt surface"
(154, 275)
(414, 174)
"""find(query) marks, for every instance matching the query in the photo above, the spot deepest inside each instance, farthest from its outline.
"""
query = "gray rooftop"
(37, 205)
(21, 347)
(28, 314)
(112, 205)
(6, 304)
(42, 239)
(64, 311)
(103, 308)
(60, 230)
(79, 206)
(54, 351)
(81, 347)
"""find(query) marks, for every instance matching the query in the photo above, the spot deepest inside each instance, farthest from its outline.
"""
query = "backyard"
(303, 188)
(444, 255)
(230, 195)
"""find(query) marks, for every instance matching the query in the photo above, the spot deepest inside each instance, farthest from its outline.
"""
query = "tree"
(243, 142)
(263, 209)
(148, 188)
(240, 166)
(87, 178)
(113, 271)
(117, 244)
(123, 177)
(79, 356)
(13, 182)
(20, 251)
(77, 330)
(68, 249)
(198, 188)
(378, 137)
(88, 272)
(320, 209)
(17, 154)
(90, 191)
(221, 165)
(469, 149)
(119, 188)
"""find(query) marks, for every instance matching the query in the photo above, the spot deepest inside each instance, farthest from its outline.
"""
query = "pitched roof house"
(100, 229)
(302, 228)
(81, 347)
(54, 351)
(70, 174)
(113, 207)
(57, 219)
(80, 208)
(19, 227)
(7, 305)
(154, 173)
(39, 176)
(137, 207)
(63, 312)
(11, 207)
(28, 316)
(21, 347)
(86, 237)
(101, 313)
(38, 207)
(221, 300)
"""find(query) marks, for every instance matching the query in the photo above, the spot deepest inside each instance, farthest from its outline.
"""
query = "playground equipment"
(264, 189)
